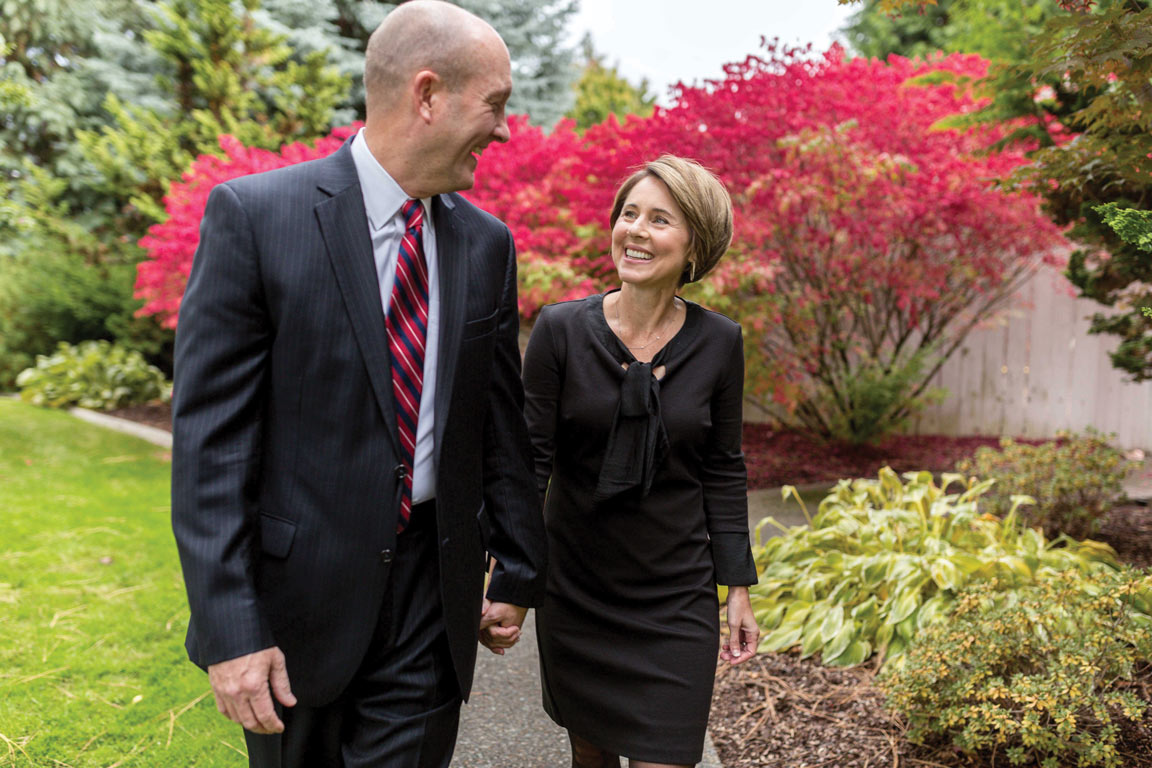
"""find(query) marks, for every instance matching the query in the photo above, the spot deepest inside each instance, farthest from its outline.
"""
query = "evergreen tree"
(535, 31)
(222, 73)
(68, 256)
(602, 91)
(54, 46)
(543, 67)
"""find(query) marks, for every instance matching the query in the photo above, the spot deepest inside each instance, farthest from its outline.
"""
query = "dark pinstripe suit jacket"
(285, 482)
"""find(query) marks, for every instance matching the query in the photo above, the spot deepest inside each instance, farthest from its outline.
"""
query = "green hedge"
(92, 374)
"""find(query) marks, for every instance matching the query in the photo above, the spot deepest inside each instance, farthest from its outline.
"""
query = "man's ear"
(427, 89)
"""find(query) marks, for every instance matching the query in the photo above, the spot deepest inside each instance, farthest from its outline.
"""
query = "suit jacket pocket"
(482, 327)
(276, 535)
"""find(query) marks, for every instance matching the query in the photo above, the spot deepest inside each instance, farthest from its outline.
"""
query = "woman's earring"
(691, 271)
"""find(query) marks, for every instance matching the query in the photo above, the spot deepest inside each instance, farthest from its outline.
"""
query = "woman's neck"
(644, 315)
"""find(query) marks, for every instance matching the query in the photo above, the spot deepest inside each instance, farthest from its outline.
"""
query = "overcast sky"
(670, 40)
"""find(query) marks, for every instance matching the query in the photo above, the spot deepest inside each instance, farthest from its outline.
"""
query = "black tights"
(585, 754)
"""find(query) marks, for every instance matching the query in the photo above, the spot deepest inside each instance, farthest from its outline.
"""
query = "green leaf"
(833, 623)
(796, 614)
(839, 643)
(945, 574)
(854, 654)
(781, 639)
(866, 610)
(903, 606)
(811, 641)
(884, 634)
(907, 628)
(1015, 565)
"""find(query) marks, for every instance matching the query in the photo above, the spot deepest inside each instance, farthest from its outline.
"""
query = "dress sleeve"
(725, 478)
(543, 374)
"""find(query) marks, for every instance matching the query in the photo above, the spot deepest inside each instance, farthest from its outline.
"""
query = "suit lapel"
(344, 227)
(452, 268)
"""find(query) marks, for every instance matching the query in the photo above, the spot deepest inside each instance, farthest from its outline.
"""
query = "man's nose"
(502, 132)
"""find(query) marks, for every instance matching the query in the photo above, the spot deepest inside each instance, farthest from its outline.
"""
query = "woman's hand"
(743, 634)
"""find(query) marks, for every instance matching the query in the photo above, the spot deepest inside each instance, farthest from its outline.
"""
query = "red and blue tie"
(407, 325)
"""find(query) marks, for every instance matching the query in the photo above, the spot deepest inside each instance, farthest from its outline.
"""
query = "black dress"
(629, 628)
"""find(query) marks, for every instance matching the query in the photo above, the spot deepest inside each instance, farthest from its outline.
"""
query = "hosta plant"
(92, 374)
(881, 559)
(1044, 674)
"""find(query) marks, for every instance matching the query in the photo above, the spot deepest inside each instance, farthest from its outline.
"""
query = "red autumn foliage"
(163, 275)
(865, 238)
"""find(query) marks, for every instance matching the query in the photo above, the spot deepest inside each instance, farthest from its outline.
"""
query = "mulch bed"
(778, 711)
(780, 457)
(157, 415)
(1128, 529)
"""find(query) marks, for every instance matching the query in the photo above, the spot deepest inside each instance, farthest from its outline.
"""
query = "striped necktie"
(407, 325)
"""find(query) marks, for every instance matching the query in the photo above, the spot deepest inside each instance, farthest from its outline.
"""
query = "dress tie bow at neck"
(638, 442)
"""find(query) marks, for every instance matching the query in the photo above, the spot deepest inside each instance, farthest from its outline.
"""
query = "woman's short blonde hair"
(704, 201)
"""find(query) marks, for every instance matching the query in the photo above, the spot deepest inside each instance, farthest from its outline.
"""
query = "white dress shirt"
(383, 200)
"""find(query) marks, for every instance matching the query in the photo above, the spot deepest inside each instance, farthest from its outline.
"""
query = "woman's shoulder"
(564, 312)
(715, 323)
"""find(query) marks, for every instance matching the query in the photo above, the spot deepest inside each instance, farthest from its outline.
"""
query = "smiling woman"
(634, 407)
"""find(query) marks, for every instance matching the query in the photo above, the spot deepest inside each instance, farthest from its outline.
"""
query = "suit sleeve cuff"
(524, 597)
(505, 587)
(732, 559)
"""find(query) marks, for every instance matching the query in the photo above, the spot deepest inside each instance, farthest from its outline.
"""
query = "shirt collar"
(383, 197)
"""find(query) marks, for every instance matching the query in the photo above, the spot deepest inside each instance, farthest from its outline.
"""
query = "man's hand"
(743, 634)
(242, 688)
(500, 625)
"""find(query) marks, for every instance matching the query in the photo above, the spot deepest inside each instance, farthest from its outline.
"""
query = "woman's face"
(650, 239)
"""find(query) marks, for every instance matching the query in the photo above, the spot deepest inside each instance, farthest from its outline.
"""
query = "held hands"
(242, 690)
(743, 634)
(500, 625)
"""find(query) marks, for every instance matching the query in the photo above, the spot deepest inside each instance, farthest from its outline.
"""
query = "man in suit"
(348, 432)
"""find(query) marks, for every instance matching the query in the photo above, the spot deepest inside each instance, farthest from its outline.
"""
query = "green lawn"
(92, 607)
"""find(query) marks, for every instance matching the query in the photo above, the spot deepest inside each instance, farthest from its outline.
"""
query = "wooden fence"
(1039, 371)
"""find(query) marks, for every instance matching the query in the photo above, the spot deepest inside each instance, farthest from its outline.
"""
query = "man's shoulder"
(283, 189)
(471, 214)
(288, 177)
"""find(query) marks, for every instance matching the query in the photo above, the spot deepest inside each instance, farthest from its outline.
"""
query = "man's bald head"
(422, 35)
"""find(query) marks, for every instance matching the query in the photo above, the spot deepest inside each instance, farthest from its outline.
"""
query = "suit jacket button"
(386, 555)
(400, 472)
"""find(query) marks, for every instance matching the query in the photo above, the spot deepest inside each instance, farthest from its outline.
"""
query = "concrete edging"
(143, 431)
